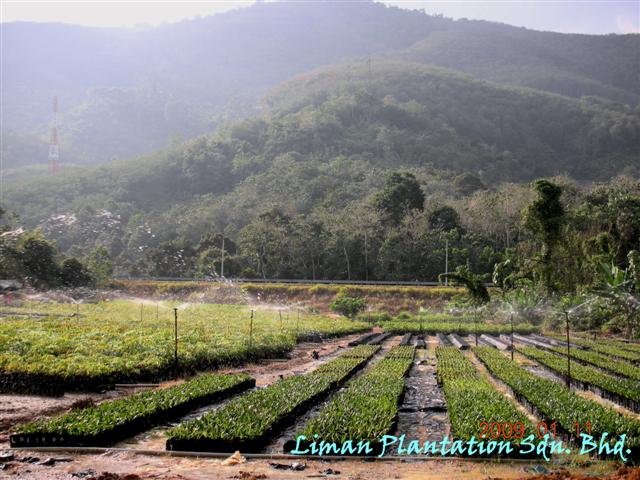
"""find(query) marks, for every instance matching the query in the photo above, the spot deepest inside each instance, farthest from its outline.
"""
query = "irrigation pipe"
(261, 456)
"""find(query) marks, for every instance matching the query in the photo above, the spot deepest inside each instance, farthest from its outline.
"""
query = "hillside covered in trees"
(296, 191)
(180, 80)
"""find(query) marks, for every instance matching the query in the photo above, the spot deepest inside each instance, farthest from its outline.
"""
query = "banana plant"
(618, 286)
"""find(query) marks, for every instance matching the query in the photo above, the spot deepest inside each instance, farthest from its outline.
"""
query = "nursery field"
(54, 347)
(353, 395)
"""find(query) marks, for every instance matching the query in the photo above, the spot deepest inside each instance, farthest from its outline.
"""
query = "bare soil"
(130, 466)
(15, 409)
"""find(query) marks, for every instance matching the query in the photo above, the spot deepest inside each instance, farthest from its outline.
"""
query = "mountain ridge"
(105, 74)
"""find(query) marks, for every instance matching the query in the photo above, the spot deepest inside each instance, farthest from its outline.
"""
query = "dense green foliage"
(30, 257)
(471, 399)
(367, 408)
(109, 416)
(400, 195)
(348, 306)
(544, 218)
(301, 191)
(556, 403)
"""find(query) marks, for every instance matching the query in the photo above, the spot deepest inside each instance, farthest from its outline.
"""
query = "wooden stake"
(251, 330)
(175, 339)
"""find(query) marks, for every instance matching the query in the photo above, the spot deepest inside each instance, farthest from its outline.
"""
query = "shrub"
(74, 274)
(348, 306)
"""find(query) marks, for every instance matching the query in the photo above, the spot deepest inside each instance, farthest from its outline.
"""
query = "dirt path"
(129, 466)
(423, 413)
(300, 360)
(15, 409)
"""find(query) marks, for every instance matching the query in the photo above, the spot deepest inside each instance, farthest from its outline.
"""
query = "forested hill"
(179, 80)
(330, 136)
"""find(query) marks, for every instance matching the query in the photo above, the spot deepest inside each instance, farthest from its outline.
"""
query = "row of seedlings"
(619, 367)
(626, 392)
(472, 400)
(363, 412)
(111, 421)
(248, 422)
(555, 404)
(632, 346)
(433, 328)
(607, 348)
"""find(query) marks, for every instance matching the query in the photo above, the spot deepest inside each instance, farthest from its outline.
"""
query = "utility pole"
(446, 262)
(251, 330)
(222, 259)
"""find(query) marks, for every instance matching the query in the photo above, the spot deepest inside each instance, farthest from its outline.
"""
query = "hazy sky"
(577, 16)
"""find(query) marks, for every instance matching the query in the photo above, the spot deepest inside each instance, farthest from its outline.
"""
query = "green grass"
(112, 341)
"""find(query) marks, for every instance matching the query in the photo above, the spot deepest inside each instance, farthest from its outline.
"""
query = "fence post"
(251, 330)
(511, 320)
(175, 339)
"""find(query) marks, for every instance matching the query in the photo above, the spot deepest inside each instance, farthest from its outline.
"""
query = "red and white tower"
(54, 148)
